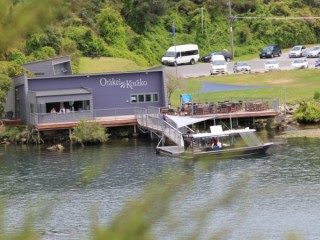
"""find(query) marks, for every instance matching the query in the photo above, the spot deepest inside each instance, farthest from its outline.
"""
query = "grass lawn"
(298, 84)
(105, 64)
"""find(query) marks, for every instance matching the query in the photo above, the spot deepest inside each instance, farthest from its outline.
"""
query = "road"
(257, 65)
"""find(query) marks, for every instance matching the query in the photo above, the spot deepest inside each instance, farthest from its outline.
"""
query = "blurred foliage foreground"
(157, 205)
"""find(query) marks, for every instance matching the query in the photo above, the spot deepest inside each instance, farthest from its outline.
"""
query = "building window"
(141, 98)
(32, 109)
(69, 106)
(155, 97)
(148, 97)
(133, 98)
(145, 97)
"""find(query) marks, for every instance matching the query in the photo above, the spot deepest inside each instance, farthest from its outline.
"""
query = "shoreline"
(307, 133)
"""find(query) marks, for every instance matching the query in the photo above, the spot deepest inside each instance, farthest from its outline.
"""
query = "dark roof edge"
(48, 60)
(158, 69)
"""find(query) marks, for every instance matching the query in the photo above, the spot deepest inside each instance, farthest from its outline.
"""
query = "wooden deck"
(105, 121)
(242, 114)
(130, 120)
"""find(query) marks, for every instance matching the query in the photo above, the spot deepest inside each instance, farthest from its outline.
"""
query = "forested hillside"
(140, 30)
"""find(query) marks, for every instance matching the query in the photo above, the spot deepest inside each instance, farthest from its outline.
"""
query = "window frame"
(148, 97)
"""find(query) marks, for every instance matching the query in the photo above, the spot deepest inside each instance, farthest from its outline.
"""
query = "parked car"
(314, 52)
(241, 67)
(271, 65)
(298, 51)
(299, 64)
(270, 51)
(227, 56)
(317, 63)
(218, 65)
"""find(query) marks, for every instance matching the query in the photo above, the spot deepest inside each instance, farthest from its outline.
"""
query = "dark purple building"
(86, 96)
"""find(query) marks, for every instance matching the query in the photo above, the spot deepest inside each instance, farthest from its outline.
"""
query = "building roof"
(61, 92)
(54, 61)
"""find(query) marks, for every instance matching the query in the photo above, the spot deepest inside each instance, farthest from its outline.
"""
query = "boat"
(219, 144)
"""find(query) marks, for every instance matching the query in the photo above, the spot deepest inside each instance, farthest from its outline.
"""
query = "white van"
(218, 65)
(181, 54)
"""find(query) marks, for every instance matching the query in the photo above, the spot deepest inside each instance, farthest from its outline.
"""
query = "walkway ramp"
(152, 121)
(173, 128)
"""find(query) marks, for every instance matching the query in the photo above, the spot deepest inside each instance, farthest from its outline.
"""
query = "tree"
(5, 84)
(20, 18)
(143, 14)
(50, 37)
(87, 41)
(112, 27)
(43, 53)
(174, 82)
(17, 57)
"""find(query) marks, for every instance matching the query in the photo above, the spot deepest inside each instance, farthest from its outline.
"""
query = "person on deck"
(164, 118)
(215, 144)
(62, 110)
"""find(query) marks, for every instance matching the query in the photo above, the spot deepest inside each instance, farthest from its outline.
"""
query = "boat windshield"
(228, 139)
(251, 139)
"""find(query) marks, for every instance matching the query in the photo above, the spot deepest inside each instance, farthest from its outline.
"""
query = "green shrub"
(316, 96)
(307, 112)
(43, 53)
(89, 132)
(11, 133)
(17, 56)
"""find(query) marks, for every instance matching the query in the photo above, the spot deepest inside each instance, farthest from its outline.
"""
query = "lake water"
(280, 193)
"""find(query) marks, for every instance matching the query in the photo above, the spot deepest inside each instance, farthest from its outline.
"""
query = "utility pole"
(231, 30)
(173, 30)
(202, 20)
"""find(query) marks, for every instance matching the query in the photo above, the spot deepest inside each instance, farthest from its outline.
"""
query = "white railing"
(76, 116)
(152, 119)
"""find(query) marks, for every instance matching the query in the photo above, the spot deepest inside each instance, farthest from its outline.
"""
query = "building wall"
(109, 90)
(51, 67)
(9, 106)
(21, 111)
(62, 69)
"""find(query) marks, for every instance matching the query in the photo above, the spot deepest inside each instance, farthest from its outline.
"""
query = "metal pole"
(175, 47)
(284, 102)
(231, 30)
(202, 20)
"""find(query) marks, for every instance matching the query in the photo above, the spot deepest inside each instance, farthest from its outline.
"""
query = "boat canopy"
(185, 121)
(249, 136)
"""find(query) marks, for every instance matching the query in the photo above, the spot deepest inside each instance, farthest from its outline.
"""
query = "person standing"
(164, 118)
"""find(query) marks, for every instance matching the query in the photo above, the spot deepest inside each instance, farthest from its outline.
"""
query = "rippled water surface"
(280, 193)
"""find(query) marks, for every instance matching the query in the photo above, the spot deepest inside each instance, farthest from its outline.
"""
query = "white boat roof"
(185, 120)
(220, 133)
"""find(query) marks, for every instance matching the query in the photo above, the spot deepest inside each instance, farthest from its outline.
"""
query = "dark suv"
(270, 51)
(227, 56)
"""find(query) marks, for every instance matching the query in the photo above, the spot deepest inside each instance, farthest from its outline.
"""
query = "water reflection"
(280, 195)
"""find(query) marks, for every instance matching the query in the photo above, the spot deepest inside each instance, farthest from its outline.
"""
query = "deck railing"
(152, 119)
(221, 107)
(252, 105)
(76, 116)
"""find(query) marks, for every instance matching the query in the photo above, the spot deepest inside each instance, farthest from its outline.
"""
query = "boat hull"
(228, 153)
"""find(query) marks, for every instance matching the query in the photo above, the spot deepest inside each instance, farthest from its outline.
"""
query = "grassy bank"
(105, 64)
(298, 84)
